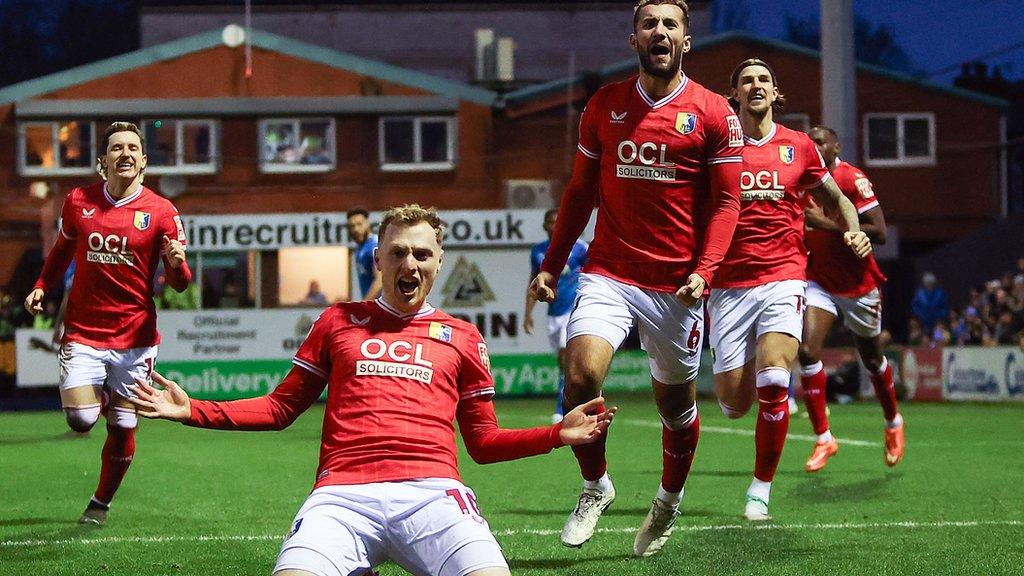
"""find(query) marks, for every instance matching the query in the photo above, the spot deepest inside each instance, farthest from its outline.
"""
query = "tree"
(872, 44)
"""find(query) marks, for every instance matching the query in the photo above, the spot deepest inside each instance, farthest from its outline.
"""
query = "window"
(180, 146)
(297, 145)
(899, 139)
(798, 121)
(56, 148)
(408, 143)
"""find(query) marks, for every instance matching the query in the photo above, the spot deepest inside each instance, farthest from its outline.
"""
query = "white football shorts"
(862, 315)
(739, 316)
(430, 526)
(670, 333)
(117, 370)
(557, 331)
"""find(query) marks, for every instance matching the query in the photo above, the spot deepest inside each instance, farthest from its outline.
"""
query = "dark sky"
(936, 34)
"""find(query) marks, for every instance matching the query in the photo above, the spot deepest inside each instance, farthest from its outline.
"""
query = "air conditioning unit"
(528, 194)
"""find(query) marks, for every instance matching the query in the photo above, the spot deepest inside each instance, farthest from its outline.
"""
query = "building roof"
(621, 68)
(264, 40)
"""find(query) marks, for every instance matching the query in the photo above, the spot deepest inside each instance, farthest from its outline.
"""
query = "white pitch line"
(761, 526)
(529, 532)
(746, 432)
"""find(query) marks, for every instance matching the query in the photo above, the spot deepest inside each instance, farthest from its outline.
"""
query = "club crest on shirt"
(686, 122)
(142, 220)
(786, 154)
(442, 332)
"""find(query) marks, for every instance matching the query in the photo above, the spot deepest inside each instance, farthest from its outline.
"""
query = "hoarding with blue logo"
(983, 373)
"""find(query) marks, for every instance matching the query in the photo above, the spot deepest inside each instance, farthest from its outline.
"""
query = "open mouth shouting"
(408, 287)
(661, 50)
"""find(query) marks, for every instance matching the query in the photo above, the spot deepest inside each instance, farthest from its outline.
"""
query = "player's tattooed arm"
(831, 198)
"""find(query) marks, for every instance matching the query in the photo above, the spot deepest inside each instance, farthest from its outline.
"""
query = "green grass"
(193, 496)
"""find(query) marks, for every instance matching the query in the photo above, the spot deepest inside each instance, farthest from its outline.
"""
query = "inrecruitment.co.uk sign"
(491, 228)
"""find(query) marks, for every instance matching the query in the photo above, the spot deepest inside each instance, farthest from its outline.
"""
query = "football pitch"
(218, 503)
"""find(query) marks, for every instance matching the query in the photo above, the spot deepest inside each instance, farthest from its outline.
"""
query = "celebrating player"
(558, 309)
(663, 155)
(757, 299)
(397, 372)
(840, 285)
(366, 244)
(115, 232)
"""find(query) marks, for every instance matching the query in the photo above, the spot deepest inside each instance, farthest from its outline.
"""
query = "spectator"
(930, 303)
(941, 334)
(915, 334)
(314, 297)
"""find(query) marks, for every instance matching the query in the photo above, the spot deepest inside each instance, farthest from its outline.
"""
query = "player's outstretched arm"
(487, 443)
(275, 411)
(171, 403)
(832, 199)
(586, 423)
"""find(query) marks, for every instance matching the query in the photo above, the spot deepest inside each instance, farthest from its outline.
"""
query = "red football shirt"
(831, 263)
(653, 194)
(117, 245)
(395, 384)
(768, 243)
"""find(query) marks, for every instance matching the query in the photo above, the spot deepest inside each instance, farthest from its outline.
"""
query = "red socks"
(118, 451)
(772, 421)
(678, 447)
(813, 379)
(885, 390)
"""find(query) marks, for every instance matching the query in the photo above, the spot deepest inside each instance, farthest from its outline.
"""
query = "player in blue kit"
(559, 308)
(366, 272)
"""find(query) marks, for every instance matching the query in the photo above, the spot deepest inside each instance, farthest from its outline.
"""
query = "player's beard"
(674, 66)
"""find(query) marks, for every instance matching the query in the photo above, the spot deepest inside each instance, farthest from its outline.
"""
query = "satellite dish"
(233, 35)
(172, 185)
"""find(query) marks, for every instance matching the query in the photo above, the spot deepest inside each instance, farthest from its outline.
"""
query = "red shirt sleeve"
(580, 194)
(171, 227)
(486, 443)
(724, 141)
(315, 352)
(864, 197)
(275, 411)
(63, 250)
(815, 171)
(475, 380)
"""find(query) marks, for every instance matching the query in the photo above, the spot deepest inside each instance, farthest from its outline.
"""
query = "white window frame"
(25, 170)
(417, 165)
(179, 147)
(275, 168)
(901, 160)
(801, 117)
